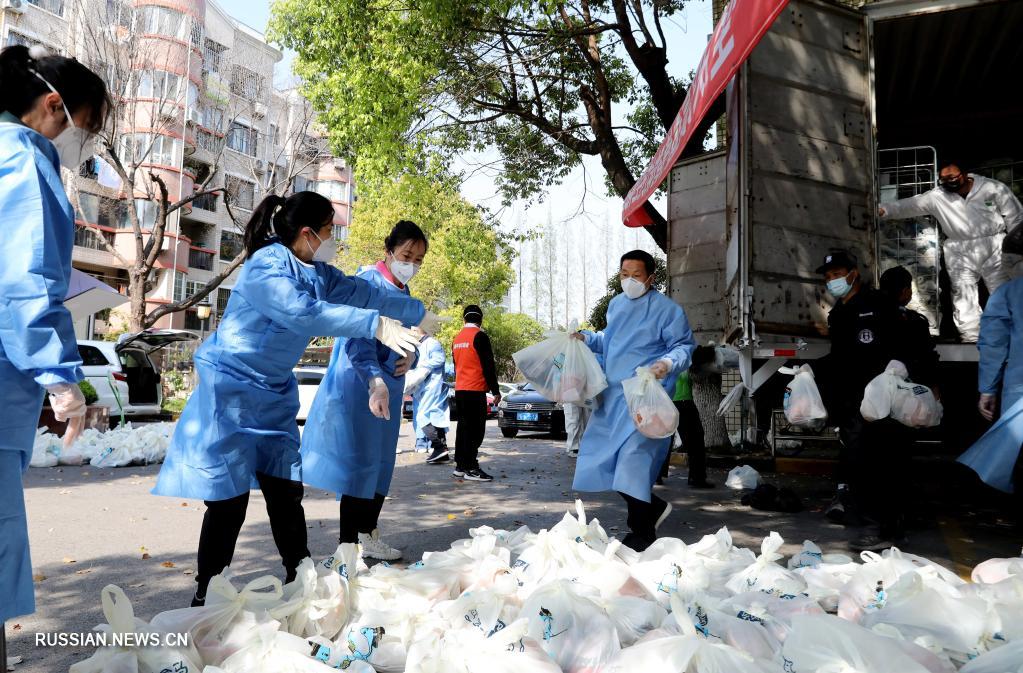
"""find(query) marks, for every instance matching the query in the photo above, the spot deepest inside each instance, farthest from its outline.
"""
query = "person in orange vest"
(475, 374)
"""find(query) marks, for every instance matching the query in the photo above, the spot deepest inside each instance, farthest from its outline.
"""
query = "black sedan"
(528, 410)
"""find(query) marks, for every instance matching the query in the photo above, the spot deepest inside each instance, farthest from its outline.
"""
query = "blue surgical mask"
(839, 287)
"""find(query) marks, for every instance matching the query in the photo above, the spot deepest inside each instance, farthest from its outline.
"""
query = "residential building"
(197, 107)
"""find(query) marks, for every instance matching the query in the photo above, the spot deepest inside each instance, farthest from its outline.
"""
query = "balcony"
(200, 259)
(86, 237)
(207, 202)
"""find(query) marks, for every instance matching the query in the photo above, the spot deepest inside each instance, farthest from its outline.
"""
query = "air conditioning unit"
(194, 116)
(14, 6)
(339, 164)
(260, 110)
(260, 166)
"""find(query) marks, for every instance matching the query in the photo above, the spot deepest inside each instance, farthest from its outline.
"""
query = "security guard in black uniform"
(866, 334)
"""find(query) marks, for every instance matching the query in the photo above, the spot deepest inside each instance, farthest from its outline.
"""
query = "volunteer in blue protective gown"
(351, 434)
(431, 413)
(50, 107)
(996, 455)
(238, 429)
(644, 328)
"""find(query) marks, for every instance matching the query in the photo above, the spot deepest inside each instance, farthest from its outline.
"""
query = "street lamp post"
(203, 311)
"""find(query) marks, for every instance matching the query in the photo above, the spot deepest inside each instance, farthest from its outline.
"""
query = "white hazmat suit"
(974, 228)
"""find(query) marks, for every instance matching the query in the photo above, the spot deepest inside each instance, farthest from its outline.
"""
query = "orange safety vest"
(468, 370)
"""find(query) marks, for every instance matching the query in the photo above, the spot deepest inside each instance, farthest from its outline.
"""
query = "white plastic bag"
(281, 653)
(230, 621)
(824, 643)
(765, 574)
(573, 629)
(152, 654)
(46, 450)
(891, 394)
(1005, 659)
(314, 604)
(803, 405)
(742, 477)
(651, 408)
(561, 368)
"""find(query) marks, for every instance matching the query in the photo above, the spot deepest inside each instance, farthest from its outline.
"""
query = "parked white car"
(125, 367)
(309, 378)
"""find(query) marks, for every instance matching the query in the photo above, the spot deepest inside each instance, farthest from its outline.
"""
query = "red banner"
(741, 26)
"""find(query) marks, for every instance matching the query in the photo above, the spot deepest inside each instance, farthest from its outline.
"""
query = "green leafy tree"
(468, 262)
(542, 83)
(598, 316)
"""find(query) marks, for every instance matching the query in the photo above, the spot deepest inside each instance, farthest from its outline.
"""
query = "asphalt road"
(92, 527)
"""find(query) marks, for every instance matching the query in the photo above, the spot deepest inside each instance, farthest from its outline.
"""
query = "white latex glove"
(379, 399)
(402, 365)
(661, 368)
(66, 400)
(396, 336)
(433, 322)
(75, 425)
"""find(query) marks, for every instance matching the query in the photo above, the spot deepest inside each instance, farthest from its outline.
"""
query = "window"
(139, 148)
(340, 232)
(119, 13)
(184, 288)
(302, 184)
(243, 139)
(163, 21)
(146, 211)
(192, 321)
(90, 169)
(246, 83)
(92, 357)
(52, 6)
(86, 237)
(223, 296)
(158, 84)
(231, 245)
(213, 118)
(242, 192)
(271, 136)
(103, 211)
(206, 202)
(208, 141)
(16, 38)
(213, 56)
(335, 191)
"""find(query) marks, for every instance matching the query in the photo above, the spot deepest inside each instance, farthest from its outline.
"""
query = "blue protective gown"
(430, 402)
(37, 339)
(241, 418)
(345, 448)
(1001, 371)
(613, 455)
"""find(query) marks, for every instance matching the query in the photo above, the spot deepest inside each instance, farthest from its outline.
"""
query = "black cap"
(472, 310)
(838, 259)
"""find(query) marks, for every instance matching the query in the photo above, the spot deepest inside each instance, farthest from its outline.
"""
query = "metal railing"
(200, 259)
(86, 237)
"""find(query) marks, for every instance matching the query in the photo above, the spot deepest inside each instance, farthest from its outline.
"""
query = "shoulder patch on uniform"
(866, 336)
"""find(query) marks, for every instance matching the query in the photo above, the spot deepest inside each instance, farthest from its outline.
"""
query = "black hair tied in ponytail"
(282, 218)
(79, 87)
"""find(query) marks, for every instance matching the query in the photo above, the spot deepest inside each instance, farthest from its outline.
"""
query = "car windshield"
(527, 387)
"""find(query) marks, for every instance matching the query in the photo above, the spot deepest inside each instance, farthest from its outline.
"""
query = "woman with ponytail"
(50, 108)
(351, 435)
(238, 429)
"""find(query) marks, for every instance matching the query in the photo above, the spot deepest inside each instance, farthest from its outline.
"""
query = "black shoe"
(637, 542)
(198, 602)
(836, 510)
(875, 542)
(439, 455)
(700, 483)
(473, 475)
(659, 482)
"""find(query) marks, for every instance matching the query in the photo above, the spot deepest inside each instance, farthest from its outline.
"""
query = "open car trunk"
(134, 351)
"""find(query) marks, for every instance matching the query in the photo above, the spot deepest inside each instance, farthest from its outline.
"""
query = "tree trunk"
(137, 292)
(707, 396)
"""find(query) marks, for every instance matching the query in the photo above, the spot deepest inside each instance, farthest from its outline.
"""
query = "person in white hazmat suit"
(975, 213)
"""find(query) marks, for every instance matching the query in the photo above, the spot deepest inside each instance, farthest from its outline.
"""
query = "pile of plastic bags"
(123, 446)
(571, 600)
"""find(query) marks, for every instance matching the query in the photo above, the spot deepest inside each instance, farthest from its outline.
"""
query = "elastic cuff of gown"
(52, 377)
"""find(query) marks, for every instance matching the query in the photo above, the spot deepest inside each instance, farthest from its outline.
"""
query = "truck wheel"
(510, 433)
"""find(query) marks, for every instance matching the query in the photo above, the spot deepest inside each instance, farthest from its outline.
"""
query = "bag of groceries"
(803, 405)
(651, 408)
(561, 368)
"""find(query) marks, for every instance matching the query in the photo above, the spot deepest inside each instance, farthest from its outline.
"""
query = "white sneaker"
(374, 547)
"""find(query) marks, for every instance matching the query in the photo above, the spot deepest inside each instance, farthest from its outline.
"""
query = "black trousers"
(643, 515)
(359, 515)
(691, 430)
(875, 463)
(472, 427)
(223, 522)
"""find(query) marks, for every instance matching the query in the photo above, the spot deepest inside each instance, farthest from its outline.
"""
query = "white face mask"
(74, 145)
(633, 288)
(404, 271)
(325, 252)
